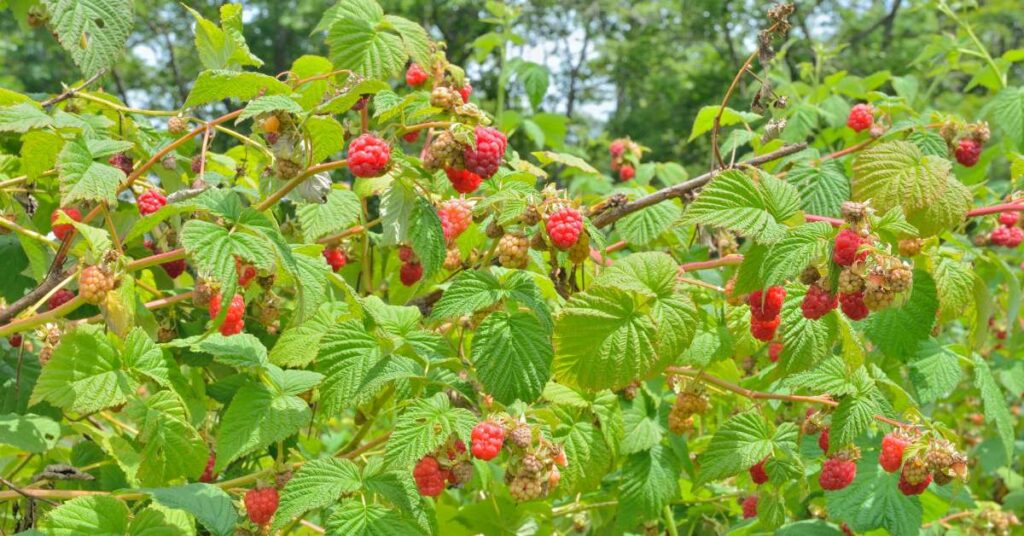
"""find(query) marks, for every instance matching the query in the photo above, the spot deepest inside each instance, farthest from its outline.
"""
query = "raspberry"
(485, 158)
(899, 278)
(415, 76)
(151, 201)
(692, 402)
(749, 507)
(513, 251)
(443, 152)
(616, 148)
(198, 164)
(1009, 237)
(525, 487)
(850, 282)
(271, 125)
(626, 173)
(406, 254)
(764, 331)
(61, 230)
(428, 476)
(487, 439)
(774, 351)
(766, 306)
(123, 162)
(853, 305)
(260, 504)
(368, 156)
(532, 465)
(234, 321)
(564, 227)
(580, 251)
(461, 473)
(891, 456)
(445, 98)
(731, 297)
(967, 152)
(679, 421)
(176, 125)
(335, 256)
(861, 117)
(521, 436)
(910, 247)
(878, 297)
(411, 137)
(757, 472)
(452, 259)
(59, 298)
(93, 284)
(847, 531)
(15, 340)
(846, 245)
(465, 91)
(837, 473)
(208, 474)
(823, 440)
(410, 273)
(818, 302)
(456, 215)
(462, 180)
(554, 477)
(246, 272)
(1008, 218)
(912, 480)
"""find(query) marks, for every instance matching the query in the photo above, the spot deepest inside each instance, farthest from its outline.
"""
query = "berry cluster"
(625, 154)
(688, 403)
(891, 456)
(151, 201)
(487, 439)
(260, 504)
(456, 215)
(818, 302)
(94, 283)
(758, 473)
(1007, 234)
(749, 506)
(368, 156)
(764, 312)
(123, 162)
(564, 227)
(966, 141)
(246, 272)
(412, 270)
(335, 257)
(62, 230)
(838, 471)
(485, 157)
(234, 321)
(415, 76)
(430, 479)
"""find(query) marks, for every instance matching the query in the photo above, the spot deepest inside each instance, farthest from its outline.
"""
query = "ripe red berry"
(823, 440)
(616, 148)
(59, 298)
(411, 137)
(765, 306)
(764, 330)
(891, 456)
(335, 256)
(465, 91)
(564, 227)
(757, 472)
(845, 251)
(847, 531)
(260, 504)
(123, 162)
(415, 76)
(1008, 218)
(485, 157)
(429, 477)
(967, 152)
(749, 507)
(464, 181)
(837, 473)
(861, 117)
(61, 230)
(15, 340)
(913, 489)
(208, 474)
(626, 173)
(234, 320)
(1009, 237)
(774, 351)
(410, 273)
(487, 439)
(406, 254)
(456, 215)
(368, 156)
(246, 272)
(853, 306)
(151, 201)
(818, 302)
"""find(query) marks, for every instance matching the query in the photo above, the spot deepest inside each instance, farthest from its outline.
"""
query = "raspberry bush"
(358, 296)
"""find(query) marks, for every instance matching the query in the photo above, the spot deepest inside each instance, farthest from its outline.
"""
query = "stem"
(348, 232)
(424, 126)
(111, 229)
(947, 519)
(126, 109)
(41, 318)
(836, 222)
(245, 140)
(943, 7)
(291, 184)
(7, 224)
(71, 92)
(1017, 206)
(670, 521)
(699, 283)
(735, 258)
(717, 123)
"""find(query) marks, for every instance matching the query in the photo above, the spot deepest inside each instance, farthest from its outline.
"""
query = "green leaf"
(223, 47)
(588, 454)
(640, 421)
(327, 136)
(873, 501)
(645, 226)
(535, 79)
(737, 445)
(315, 485)
(800, 247)
(415, 40)
(299, 345)
(704, 121)
(171, 446)
(423, 427)
(854, 414)
(1006, 112)
(94, 32)
(345, 101)
(357, 519)
(930, 143)
(809, 527)
(83, 178)
(823, 189)
(781, 198)
(30, 433)
(160, 521)
(954, 281)
(361, 46)
(649, 483)
(831, 376)
(214, 249)
(210, 505)
(39, 150)
(396, 208)
(23, 118)
(512, 355)
(732, 201)
(805, 341)
(256, 418)
(934, 371)
(347, 354)
(340, 212)
(265, 105)
(571, 161)
(215, 85)
(97, 515)
(898, 331)
(996, 410)
(241, 351)
(427, 237)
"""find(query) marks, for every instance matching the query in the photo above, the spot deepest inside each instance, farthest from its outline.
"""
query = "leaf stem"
(8, 224)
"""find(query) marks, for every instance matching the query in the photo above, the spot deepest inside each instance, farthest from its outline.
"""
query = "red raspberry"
(234, 321)
(913, 489)
(335, 257)
(1009, 237)
(485, 158)
(757, 472)
(616, 148)
(853, 305)
(967, 152)
(15, 340)
(749, 507)
(766, 306)
(465, 91)
(846, 245)
(564, 227)
(764, 330)
(626, 173)
(411, 137)
(861, 117)
(1008, 218)
(847, 531)
(823, 440)
(198, 164)
(837, 473)
(123, 162)
(818, 302)
(406, 254)
(246, 272)
(61, 230)
(260, 504)
(464, 181)
(891, 456)
(208, 474)
(429, 477)
(774, 351)
(415, 76)
(410, 273)
(456, 215)
(487, 439)
(151, 201)
(59, 298)
(368, 156)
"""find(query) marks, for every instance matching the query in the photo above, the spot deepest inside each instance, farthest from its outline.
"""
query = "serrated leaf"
(644, 226)
(210, 505)
(359, 45)
(805, 341)
(30, 433)
(649, 483)
(954, 281)
(571, 161)
(83, 178)
(299, 345)
(1006, 112)
(214, 249)
(170, 445)
(396, 208)
(732, 201)
(423, 427)
(588, 454)
(898, 331)
(223, 47)
(934, 371)
(271, 103)
(256, 418)
(994, 402)
(23, 117)
(640, 422)
(358, 519)
(742, 441)
(800, 247)
(873, 501)
(851, 418)
(427, 237)
(340, 212)
(345, 101)
(780, 198)
(215, 85)
(315, 485)
(347, 354)
(241, 350)
(415, 40)
(512, 354)
(97, 515)
(930, 143)
(829, 376)
(94, 32)
(326, 135)
(823, 188)
(706, 117)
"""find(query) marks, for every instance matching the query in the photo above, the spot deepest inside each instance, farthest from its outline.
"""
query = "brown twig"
(67, 94)
(946, 519)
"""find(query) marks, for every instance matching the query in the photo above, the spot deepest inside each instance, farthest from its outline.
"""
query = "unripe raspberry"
(271, 125)
(818, 302)
(411, 137)
(465, 91)
(169, 162)
(15, 340)
(532, 465)
(915, 473)
(913, 489)
(452, 259)
(845, 251)
(580, 251)
(861, 117)
(368, 156)
(123, 162)
(521, 436)
(93, 284)
(564, 227)
(853, 306)
(172, 268)
(823, 440)
(485, 158)
(749, 507)
(335, 257)
(61, 230)
(854, 213)
(208, 474)
(891, 456)
(246, 272)
(679, 421)
(967, 152)
(1009, 237)
(260, 504)
(445, 98)
(176, 125)
(415, 76)
(461, 473)
(810, 275)
(513, 251)
(59, 298)
(899, 278)
(774, 351)
(757, 472)
(428, 476)
(234, 320)
(410, 273)
(198, 164)
(766, 306)
(456, 215)
(464, 181)
(911, 247)
(837, 473)
(554, 477)
(443, 152)
(692, 402)
(525, 488)
(731, 296)
(1008, 218)
(486, 440)
(616, 148)
(626, 172)
(878, 297)
(940, 456)
(151, 201)
(764, 330)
